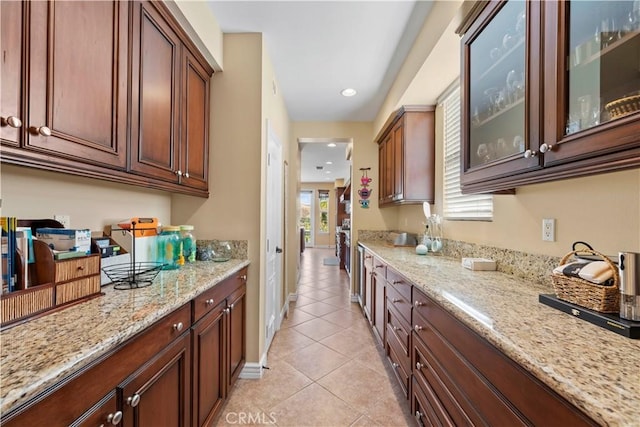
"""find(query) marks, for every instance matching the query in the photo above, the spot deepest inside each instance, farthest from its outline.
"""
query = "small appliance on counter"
(629, 270)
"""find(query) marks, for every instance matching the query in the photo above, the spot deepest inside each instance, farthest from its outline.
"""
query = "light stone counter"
(595, 369)
(43, 351)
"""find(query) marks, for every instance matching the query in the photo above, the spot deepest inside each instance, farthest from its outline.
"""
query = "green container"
(188, 243)
(169, 247)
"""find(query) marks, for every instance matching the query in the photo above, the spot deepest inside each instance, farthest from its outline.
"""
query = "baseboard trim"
(252, 370)
(293, 296)
(355, 298)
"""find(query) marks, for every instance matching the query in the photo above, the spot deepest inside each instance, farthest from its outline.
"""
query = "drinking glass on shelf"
(585, 110)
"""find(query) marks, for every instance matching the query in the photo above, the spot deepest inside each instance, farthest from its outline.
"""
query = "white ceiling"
(319, 48)
(317, 154)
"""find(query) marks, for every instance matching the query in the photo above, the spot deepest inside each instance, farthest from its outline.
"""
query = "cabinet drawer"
(402, 374)
(393, 344)
(368, 260)
(77, 289)
(402, 285)
(472, 391)
(426, 407)
(399, 329)
(210, 298)
(399, 302)
(380, 268)
(435, 383)
(77, 267)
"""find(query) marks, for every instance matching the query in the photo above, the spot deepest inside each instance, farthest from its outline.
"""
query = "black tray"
(612, 322)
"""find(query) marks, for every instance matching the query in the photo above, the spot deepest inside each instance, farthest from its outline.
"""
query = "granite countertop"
(595, 369)
(43, 351)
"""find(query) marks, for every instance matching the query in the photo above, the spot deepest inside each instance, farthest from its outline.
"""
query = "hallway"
(325, 368)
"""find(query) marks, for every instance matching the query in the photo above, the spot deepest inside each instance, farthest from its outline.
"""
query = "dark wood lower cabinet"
(158, 394)
(171, 374)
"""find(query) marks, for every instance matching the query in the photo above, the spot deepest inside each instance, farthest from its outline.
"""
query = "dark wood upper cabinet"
(170, 97)
(407, 157)
(78, 61)
(11, 44)
(538, 83)
(112, 90)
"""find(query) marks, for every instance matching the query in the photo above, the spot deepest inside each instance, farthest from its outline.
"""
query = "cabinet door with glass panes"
(592, 85)
(501, 97)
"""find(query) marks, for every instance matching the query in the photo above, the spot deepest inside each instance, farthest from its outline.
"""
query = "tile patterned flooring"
(325, 367)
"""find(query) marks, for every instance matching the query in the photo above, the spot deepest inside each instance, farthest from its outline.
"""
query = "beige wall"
(90, 203)
(232, 210)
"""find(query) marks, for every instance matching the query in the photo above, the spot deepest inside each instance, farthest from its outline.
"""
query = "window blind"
(458, 206)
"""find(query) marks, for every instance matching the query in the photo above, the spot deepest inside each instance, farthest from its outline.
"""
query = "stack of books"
(17, 254)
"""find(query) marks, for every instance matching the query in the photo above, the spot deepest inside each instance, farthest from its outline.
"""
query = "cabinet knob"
(186, 174)
(419, 366)
(179, 172)
(417, 328)
(395, 365)
(80, 268)
(231, 307)
(418, 303)
(11, 121)
(209, 301)
(133, 400)
(42, 130)
(116, 417)
(530, 153)
(226, 311)
(395, 328)
(178, 326)
(546, 147)
(243, 277)
(418, 415)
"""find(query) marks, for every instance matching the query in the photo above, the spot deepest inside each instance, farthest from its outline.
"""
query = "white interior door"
(274, 218)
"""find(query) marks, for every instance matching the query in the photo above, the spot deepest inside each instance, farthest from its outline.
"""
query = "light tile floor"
(325, 367)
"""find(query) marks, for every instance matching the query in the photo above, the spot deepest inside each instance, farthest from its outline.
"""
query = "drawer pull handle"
(395, 365)
(115, 418)
(133, 400)
(397, 282)
(209, 301)
(367, 257)
(80, 268)
(417, 328)
(243, 277)
(418, 304)
(231, 307)
(395, 328)
(178, 326)
(226, 311)
(396, 300)
(379, 266)
(418, 415)
(419, 366)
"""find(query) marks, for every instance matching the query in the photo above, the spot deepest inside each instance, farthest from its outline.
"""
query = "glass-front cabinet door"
(501, 79)
(592, 94)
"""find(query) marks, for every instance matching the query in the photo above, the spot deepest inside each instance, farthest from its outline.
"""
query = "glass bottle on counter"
(169, 247)
(188, 243)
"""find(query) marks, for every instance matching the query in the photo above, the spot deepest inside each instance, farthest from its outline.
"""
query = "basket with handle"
(605, 299)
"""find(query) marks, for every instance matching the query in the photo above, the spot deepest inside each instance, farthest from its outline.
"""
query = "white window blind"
(458, 206)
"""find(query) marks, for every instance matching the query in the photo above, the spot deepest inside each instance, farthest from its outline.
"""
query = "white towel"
(597, 272)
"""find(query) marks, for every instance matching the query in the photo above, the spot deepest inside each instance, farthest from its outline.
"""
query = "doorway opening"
(306, 216)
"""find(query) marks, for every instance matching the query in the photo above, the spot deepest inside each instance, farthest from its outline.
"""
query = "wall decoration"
(365, 191)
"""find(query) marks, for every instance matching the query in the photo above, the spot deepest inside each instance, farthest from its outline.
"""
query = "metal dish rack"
(133, 275)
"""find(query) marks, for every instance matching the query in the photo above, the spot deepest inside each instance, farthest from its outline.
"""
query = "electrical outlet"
(64, 220)
(549, 230)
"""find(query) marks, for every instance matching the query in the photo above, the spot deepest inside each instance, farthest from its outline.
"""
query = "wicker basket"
(623, 106)
(605, 299)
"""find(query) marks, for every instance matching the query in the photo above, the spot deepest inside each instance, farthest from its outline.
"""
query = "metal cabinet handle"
(117, 417)
(379, 265)
(417, 328)
(133, 400)
(226, 311)
(530, 153)
(243, 277)
(178, 326)
(418, 303)
(395, 300)
(546, 147)
(186, 174)
(418, 415)
(11, 121)
(231, 307)
(42, 130)
(179, 172)
(80, 268)
(419, 366)
(367, 257)
(395, 365)
(397, 282)
(209, 301)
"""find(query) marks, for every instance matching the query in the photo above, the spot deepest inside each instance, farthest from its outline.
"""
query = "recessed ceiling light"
(327, 171)
(348, 92)
(329, 162)
(331, 144)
